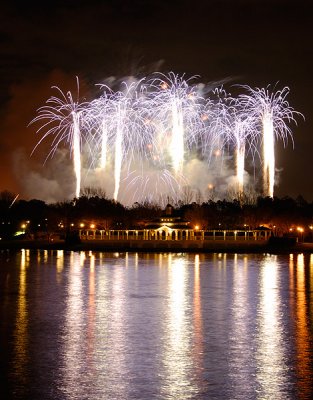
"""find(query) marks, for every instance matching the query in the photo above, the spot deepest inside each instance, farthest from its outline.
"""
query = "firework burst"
(63, 117)
(144, 134)
(270, 114)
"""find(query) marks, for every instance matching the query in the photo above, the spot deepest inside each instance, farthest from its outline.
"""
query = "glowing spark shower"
(62, 118)
(269, 113)
(146, 140)
(236, 126)
(76, 151)
(268, 154)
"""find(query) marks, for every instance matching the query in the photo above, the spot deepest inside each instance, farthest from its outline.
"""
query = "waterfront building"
(172, 226)
(169, 226)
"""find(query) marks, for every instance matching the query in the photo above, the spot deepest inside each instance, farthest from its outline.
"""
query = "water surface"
(155, 326)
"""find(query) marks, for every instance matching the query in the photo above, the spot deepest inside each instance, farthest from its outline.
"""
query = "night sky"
(250, 42)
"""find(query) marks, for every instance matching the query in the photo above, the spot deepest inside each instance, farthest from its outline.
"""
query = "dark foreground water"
(155, 326)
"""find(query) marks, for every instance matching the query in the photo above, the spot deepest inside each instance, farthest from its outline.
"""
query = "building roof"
(168, 218)
(172, 227)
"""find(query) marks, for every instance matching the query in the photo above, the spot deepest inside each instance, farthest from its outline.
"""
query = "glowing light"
(177, 145)
(150, 130)
(269, 112)
(61, 118)
(271, 359)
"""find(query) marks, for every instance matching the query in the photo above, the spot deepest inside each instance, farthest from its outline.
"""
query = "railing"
(175, 234)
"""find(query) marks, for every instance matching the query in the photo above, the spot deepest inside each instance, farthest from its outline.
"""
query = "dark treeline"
(283, 215)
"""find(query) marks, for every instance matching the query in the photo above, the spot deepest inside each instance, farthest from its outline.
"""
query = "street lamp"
(300, 230)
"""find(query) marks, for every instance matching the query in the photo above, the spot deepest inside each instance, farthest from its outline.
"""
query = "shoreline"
(185, 246)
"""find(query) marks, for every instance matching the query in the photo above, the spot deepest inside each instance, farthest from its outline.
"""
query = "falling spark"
(148, 130)
(268, 154)
(61, 118)
(14, 200)
(270, 113)
(76, 151)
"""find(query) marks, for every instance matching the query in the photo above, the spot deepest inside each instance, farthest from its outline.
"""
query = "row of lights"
(82, 225)
(60, 225)
(92, 226)
(300, 229)
(219, 225)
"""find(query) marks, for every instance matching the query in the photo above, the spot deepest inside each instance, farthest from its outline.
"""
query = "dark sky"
(250, 42)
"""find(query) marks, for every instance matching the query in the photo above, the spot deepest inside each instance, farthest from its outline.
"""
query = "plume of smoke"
(54, 182)
(145, 138)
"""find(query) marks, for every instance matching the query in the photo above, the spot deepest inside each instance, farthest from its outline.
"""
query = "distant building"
(169, 226)
(172, 226)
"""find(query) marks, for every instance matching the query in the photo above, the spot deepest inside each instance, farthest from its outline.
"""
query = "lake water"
(155, 326)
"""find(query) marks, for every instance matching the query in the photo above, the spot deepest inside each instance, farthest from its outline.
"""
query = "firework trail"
(218, 124)
(177, 142)
(146, 133)
(178, 110)
(270, 113)
(239, 132)
(268, 153)
(76, 151)
(98, 118)
(120, 115)
(13, 201)
(128, 133)
(61, 118)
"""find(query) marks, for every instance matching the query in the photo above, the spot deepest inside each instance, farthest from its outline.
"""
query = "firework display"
(146, 135)
(269, 113)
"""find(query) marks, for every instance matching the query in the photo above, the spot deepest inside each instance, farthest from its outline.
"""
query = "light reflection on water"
(177, 328)
(241, 332)
(198, 338)
(21, 353)
(156, 326)
(271, 366)
(304, 337)
(73, 342)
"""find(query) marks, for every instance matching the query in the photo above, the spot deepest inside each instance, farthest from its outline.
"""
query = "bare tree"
(187, 195)
(89, 192)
